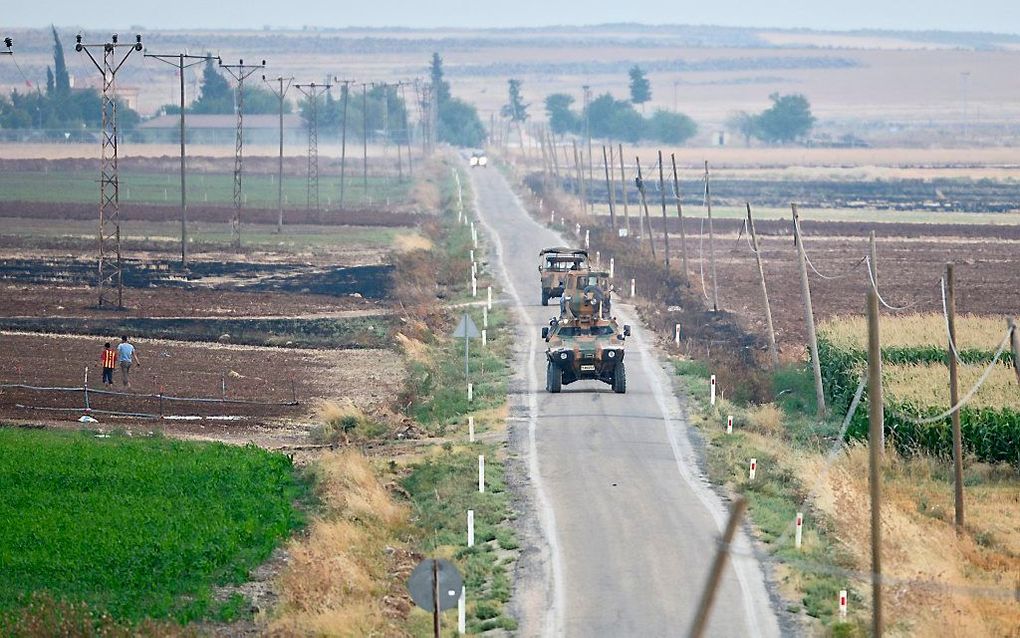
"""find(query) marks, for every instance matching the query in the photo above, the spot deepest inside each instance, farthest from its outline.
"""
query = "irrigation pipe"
(165, 397)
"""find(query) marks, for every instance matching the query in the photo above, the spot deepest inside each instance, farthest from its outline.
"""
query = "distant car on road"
(478, 159)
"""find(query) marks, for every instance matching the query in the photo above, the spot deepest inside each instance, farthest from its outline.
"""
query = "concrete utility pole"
(312, 93)
(182, 61)
(111, 272)
(407, 127)
(587, 126)
(680, 216)
(280, 91)
(345, 94)
(711, 241)
(809, 316)
(364, 139)
(665, 222)
(623, 185)
(240, 72)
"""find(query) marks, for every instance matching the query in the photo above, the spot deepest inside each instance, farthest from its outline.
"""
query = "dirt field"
(271, 375)
(911, 258)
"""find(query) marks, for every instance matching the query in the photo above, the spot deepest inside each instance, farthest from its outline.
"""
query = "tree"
(787, 119)
(640, 87)
(61, 80)
(216, 95)
(742, 123)
(515, 108)
(561, 118)
(671, 128)
(459, 123)
(615, 119)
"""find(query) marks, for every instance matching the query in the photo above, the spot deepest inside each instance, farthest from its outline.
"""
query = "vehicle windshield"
(562, 266)
(585, 331)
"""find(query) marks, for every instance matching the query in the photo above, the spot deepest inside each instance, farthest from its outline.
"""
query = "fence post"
(223, 386)
(954, 398)
(876, 419)
(481, 473)
(809, 315)
(85, 387)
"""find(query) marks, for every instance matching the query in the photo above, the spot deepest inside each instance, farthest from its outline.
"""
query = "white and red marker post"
(842, 603)
(798, 534)
(753, 469)
(729, 424)
(711, 396)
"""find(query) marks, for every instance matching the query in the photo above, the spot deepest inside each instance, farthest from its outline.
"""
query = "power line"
(312, 92)
(111, 273)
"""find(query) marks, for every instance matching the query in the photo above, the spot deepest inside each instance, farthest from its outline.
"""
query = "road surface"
(624, 525)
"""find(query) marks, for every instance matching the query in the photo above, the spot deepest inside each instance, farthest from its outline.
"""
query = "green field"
(863, 215)
(137, 527)
(260, 190)
(148, 235)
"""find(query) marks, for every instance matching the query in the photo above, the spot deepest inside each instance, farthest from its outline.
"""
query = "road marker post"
(472, 253)
(488, 304)
(752, 470)
(676, 334)
(729, 424)
(612, 266)
(598, 258)
(462, 612)
(471, 392)
(711, 395)
(842, 604)
(471, 528)
(633, 286)
(552, 218)
(485, 316)
(481, 473)
(587, 239)
(474, 285)
(798, 536)
(471, 429)
(485, 337)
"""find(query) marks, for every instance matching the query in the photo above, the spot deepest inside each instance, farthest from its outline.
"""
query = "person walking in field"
(109, 360)
(127, 356)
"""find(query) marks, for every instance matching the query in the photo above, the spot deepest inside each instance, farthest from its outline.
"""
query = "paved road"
(625, 524)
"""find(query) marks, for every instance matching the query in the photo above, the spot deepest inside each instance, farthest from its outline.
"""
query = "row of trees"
(788, 119)
(608, 117)
(59, 107)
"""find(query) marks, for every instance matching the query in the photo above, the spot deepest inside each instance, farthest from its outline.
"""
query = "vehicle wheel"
(620, 379)
(545, 298)
(553, 378)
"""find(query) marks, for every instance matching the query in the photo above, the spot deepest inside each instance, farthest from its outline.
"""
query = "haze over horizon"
(998, 16)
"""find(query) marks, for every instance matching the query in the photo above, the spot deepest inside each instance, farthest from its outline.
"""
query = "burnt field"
(932, 194)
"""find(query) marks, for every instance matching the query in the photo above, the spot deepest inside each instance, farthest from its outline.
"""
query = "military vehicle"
(576, 283)
(585, 344)
(553, 265)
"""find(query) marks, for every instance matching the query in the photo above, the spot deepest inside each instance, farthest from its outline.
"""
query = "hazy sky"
(1001, 16)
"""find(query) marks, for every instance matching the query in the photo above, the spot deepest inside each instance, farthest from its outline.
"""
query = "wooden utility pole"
(1014, 343)
(876, 422)
(665, 222)
(873, 270)
(644, 205)
(718, 565)
(577, 175)
(555, 157)
(954, 398)
(773, 350)
(585, 184)
(612, 186)
(609, 188)
(711, 242)
(435, 599)
(680, 216)
(809, 315)
(623, 186)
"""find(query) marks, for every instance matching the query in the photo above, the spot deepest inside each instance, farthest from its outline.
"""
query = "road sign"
(466, 328)
(421, 584)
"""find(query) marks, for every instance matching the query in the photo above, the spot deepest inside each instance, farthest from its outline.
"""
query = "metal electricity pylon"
(111, 272)
(9, 43)
(240, 72)
(312, 93)
(345, 94)
(280, 92)
(182, 61)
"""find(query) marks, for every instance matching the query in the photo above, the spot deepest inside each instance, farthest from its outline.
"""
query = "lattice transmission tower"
(111, 269)
(240, 72)
(312, 93)
(9, 43)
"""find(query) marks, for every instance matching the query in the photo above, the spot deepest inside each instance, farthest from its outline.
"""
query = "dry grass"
(407, 242)
(339, 575)
(916, 331)
(766, 419)
(425, 193)
(928, 385)
(942, 585)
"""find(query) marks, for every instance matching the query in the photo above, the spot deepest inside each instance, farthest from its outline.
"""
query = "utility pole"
(773, 350)
(623, 185)
(407, 128)
(876, 423)
(640, 182)
(364, 140)
(680, 216)
(240, 72)
(345, 94)
(111, 271)
(665, 222)
(954, 398)
(610, 188)
(587, 126)
(312, 92)
(809, 316)
(280, 91)
(711, 241)
(182, 61)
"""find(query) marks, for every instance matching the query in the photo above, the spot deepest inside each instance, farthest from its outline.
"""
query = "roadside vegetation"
(120, 529)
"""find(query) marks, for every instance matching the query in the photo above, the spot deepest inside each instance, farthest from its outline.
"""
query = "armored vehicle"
(584, 344)
(554, 264)
(576, 283)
